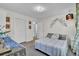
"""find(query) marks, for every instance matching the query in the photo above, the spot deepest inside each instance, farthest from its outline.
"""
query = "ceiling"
(51, 9)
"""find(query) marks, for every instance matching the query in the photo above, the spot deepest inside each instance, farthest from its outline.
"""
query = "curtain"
(76, 42)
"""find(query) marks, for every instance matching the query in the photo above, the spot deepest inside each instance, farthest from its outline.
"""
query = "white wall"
(30, 31)
(43, 26)
(19, 25)
(40, 30)
(58, 27)
(2, 17)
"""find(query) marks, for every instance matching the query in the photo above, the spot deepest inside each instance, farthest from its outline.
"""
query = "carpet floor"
(31, 51)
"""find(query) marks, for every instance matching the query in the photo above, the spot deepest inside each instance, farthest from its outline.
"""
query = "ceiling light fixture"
(39, 8)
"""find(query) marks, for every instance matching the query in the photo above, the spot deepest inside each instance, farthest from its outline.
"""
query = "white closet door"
(19, 30)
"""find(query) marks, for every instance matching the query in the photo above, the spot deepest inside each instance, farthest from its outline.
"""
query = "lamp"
(39, 8)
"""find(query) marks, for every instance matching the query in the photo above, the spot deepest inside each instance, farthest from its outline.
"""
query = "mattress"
(52, 47)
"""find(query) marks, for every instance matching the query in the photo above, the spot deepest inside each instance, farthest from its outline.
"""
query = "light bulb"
(39, 8)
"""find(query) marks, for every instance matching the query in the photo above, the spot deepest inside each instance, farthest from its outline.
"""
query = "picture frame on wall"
(7, 19)
(7, 26)
(29, 22)
(29, 26)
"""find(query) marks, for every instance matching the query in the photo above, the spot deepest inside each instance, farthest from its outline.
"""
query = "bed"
(16, 48)
(52, 46)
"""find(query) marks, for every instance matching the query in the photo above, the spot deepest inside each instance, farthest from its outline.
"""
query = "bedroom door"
(40, 30)
(19, 30)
